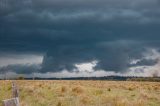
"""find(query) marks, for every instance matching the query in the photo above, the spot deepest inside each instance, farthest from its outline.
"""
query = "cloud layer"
(68, 32)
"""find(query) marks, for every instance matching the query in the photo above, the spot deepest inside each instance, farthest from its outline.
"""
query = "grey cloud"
(145, 62)
(21, 68)
(76, 31)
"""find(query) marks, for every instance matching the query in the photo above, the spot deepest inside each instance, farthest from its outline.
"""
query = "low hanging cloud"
(15, 58)
(20, 63)
(115, 33)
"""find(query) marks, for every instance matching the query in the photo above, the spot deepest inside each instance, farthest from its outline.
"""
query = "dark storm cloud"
(113, 32)
(146, 62)
(20, 68)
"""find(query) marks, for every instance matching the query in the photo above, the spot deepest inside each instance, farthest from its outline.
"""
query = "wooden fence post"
(11, 102)
(15, 90)
(15, 94)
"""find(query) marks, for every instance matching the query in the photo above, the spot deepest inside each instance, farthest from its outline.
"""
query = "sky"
(72, 38)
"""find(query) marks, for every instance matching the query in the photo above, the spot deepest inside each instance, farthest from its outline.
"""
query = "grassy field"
(84, 93)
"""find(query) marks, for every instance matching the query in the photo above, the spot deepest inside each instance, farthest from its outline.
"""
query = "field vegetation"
(83, 93)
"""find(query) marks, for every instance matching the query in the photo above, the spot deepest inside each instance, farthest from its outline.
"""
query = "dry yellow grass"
(84, 93)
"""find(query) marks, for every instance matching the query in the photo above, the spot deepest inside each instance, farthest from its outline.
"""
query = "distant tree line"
(152, 79)
(105, 78)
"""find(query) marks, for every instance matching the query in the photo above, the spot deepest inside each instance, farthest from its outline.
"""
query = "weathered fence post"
(11, 102)
(15, 94)
(15, 90)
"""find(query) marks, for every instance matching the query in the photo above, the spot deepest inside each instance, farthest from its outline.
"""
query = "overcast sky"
(69, 38)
